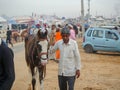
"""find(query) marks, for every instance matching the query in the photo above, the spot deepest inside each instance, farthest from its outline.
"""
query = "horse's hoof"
(29, 87)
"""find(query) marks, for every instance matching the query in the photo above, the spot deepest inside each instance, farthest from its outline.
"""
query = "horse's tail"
(26, 53)
(26, 58)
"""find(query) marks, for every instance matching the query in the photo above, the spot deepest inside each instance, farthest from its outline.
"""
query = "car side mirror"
(115, 38)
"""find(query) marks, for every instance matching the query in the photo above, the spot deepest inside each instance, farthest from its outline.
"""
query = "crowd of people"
(54, 34)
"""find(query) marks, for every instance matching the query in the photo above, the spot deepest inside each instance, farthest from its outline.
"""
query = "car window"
(98, 33)
(110, 35)
(89, 33)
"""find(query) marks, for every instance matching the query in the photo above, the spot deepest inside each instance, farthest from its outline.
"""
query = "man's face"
(65, 38)
(53, 27)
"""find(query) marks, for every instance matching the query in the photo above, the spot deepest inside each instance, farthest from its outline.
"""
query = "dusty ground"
(99, 71)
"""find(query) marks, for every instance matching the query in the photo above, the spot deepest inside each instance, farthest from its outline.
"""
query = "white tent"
(3, 24)
(99, 19)
(2, 20)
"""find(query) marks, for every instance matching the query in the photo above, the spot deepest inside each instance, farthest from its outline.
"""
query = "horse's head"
(41, 50)
(42, 34)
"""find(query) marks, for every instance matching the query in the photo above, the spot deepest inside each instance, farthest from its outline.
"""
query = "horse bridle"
(40, 54)
(43, 53)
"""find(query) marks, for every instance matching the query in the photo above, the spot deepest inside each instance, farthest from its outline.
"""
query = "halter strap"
(43, 53)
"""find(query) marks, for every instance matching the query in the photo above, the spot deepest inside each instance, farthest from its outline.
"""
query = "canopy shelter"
(2, 20)
(12, 21)
(3, 23)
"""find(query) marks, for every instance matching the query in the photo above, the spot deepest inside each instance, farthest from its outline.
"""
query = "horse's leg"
(41, 78)
(33, 78)
(42, 85)
(29, 78)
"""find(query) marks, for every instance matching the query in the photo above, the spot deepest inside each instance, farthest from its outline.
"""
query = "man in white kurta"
(69, 63)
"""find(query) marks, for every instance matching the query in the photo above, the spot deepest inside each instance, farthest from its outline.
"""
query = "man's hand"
(77, 73)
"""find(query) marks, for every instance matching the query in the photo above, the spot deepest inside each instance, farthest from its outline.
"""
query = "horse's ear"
(46, 31)
(38, 33)
(37, 42)
(38, 30)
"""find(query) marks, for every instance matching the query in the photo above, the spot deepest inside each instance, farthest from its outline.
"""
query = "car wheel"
(88, 49)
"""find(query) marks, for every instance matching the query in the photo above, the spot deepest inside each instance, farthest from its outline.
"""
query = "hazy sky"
(67, 8)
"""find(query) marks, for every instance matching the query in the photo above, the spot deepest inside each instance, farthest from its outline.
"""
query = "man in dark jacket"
(7, 73)
(9, 35)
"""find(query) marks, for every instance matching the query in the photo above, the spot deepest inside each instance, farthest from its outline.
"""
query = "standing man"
(72, 32)
(52, 40)
(9, 35)
(57, 38)
(7, 73)
(86, 26)
(69, 63)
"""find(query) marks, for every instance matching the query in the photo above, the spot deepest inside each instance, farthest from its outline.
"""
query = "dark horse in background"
(36, 51)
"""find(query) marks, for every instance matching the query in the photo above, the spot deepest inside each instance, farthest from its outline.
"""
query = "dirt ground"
(100, 71)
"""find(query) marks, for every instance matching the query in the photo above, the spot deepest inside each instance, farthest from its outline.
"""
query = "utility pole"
(88, 17)
(82, 8)
(82, 16)
(89, 8)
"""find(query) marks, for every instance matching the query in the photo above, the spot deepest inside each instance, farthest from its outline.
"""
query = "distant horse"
(36, 50)
(16, 36)
(24, 33)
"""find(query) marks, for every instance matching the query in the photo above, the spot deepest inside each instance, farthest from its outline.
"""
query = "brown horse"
(16, 36)
(24, 33)
(36, 49)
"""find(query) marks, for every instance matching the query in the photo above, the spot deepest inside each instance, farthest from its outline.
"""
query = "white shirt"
(35, 31)
(69, 57)
(31, 31)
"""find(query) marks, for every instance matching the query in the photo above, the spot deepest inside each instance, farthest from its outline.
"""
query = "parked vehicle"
(112, 27)
(100, 39)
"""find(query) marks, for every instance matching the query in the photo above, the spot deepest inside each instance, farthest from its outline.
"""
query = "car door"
(98, 39)
(111, 41)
